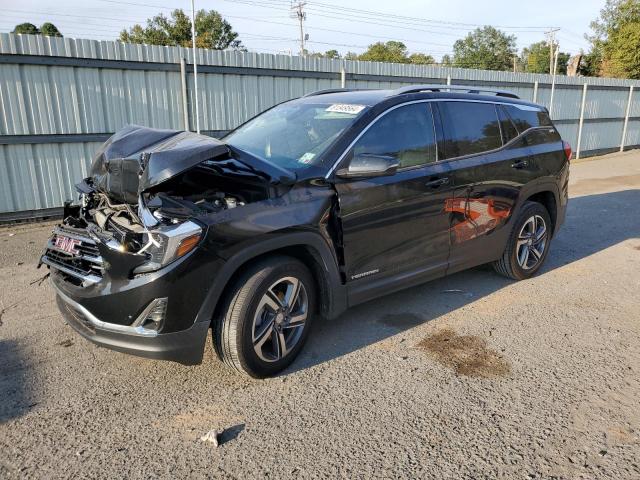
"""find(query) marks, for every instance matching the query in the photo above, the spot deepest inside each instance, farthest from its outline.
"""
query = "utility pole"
(553, 78)
(297, 11)
(551, 35)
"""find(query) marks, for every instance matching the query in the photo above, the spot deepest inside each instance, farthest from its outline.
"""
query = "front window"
(406, 134)
(294, 135)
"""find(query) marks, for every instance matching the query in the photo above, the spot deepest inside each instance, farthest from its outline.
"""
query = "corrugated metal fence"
(61, 97)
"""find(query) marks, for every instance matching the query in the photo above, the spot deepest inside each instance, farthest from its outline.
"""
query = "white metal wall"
(58, 105)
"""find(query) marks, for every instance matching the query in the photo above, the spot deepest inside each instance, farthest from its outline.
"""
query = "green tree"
(212, 31)
(535, 59)
(446, 61)
(331, 54)
(421, 59)
(615, 41)
(48, 29)
(485, 48)
(351, 56)
(590, 64)
(622, 52)
(393, 52)
(328, 54)
(26, 28)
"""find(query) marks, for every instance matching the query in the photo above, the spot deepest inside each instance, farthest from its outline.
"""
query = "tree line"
(614, 43)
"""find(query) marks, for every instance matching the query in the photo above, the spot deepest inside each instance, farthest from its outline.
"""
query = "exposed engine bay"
(194, 193)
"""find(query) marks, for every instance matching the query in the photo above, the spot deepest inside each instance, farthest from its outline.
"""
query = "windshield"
(294, 135)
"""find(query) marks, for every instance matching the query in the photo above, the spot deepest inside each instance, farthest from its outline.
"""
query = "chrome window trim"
(382, 114)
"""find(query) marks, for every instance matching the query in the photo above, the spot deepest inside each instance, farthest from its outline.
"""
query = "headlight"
(167, 244)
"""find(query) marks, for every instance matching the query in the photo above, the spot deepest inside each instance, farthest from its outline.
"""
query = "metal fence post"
(626, 120)
(553, 89)
(535, 91)
(584, 101)
(185, 104)
(343, 77)
(448, 79)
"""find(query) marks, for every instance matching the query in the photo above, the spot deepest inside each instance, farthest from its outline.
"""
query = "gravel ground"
(471, 376)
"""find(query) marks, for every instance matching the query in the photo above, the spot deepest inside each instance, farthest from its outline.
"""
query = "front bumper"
(185, 346)
(112, 309)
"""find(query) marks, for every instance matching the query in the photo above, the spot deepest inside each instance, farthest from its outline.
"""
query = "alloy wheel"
(280, 319)
(532, 241)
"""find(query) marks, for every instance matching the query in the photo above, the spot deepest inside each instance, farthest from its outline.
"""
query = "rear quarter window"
(525, 117)
(542, 136)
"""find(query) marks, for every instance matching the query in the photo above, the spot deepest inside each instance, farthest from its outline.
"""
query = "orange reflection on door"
(480, 215)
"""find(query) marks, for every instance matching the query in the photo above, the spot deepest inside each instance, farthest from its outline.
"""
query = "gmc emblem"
(67, 244)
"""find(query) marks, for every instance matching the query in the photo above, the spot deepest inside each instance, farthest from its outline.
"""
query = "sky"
(428, 26)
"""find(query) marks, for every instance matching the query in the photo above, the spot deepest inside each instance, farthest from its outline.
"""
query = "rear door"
(490, 165)
(397, 224)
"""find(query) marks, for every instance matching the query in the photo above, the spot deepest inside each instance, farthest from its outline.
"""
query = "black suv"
(315, 205)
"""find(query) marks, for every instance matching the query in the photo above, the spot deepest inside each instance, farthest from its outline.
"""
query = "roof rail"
(458, 88)
(331, 90)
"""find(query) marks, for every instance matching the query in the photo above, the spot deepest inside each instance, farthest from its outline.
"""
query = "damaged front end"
(125, 261)
(139, 207)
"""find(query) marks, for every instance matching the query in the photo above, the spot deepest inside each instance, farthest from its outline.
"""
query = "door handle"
(520, 164)
(436, 183)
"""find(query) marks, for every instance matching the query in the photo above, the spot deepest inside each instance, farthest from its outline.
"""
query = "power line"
(438, 21)
(366, 20)
(280, 4)
(45, 14)
(319, 6)
(288, 24)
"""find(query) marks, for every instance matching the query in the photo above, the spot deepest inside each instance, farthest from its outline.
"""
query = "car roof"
(372, 98)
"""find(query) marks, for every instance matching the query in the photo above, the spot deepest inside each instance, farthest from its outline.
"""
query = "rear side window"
(469, 128)
(405, 133)
(525, 117)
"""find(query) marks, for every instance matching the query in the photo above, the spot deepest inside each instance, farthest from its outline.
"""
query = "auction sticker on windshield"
(346, 108)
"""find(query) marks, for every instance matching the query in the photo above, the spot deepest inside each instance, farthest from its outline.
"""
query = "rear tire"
(266, 317)
(528, 243)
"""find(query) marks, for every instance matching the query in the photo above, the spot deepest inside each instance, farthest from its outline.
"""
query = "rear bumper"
(185, 346)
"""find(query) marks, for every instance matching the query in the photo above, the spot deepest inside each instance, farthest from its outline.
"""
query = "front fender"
(335, 303)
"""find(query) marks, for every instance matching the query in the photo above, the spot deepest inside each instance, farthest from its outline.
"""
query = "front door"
(397, 225)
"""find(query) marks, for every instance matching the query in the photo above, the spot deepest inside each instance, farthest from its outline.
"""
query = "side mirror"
(366, 165)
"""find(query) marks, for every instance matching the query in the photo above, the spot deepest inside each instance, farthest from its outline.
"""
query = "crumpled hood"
(137, 158)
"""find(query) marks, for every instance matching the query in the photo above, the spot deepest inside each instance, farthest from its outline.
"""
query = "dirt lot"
(471, 376)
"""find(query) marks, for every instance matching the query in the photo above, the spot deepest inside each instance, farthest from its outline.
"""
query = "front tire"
(528, 243)
(265, 319)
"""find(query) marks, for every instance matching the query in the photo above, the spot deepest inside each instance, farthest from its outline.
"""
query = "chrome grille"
(86, 265)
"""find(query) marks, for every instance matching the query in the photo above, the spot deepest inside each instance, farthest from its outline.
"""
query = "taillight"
(567, 149)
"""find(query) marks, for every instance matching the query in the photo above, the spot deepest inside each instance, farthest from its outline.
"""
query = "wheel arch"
(547, 195)
(548, 200)
(311, 249)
